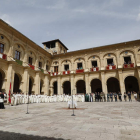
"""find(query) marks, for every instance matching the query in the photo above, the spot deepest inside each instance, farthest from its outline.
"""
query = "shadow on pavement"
(17, 136)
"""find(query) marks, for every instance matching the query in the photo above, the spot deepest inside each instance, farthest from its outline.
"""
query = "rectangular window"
(30, 60)
(47, 67)
(17, 55)
(79, 66)
(110, 62)
(66, 67)
(1, 48)
(127, 60)
(40, 64)
(55, 68)
(94, 63)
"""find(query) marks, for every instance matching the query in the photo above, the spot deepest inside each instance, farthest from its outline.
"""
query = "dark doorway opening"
(66, 67)
(94, 63)
(1, 81)
(55, 88)
(96, 86)
(113, 85)
(16, 83)
(79, 66)
(30, 86)
(67, 88)
(81, 87)
(131, 84)
(127, 60)
(109, 61)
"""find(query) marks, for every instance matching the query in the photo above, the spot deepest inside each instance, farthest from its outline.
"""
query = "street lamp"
(72, 103)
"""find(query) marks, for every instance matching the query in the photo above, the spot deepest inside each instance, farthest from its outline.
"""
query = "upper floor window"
(127, 60)
(110, 62)
(66, 67)
(40, 64)
(17, 55)
(79, 66)
(30, 60)
(1, 48)
(47, 67)
(55, 68)
(94, 63)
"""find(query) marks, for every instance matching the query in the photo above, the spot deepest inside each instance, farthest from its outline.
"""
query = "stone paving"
(94, 121)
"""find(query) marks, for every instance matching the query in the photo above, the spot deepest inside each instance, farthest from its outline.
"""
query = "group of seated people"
(102, 97)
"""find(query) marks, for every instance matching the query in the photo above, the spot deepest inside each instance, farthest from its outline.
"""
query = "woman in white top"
(135, 96)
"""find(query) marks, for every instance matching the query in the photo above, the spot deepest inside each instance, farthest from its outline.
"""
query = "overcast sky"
(79, 24)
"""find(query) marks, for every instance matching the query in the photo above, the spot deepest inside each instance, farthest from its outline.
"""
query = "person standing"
(135, 96)
(129, 96)
(125, 96)
(1, 101)
(111, 96)
(115, 96)
(120, 96)
(108, 95)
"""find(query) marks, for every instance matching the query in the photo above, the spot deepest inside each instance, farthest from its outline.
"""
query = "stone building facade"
(53, 70)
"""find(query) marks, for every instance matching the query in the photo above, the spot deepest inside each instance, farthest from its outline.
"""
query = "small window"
(64, 51)
(47, 67)
(110, 62)
(55, 68)
(66, 67)
(1, 48)
(94, 63)
(30, 60)
(127, 60)
(17, 55)
(79, 66)
(40, 64)
(52, 45)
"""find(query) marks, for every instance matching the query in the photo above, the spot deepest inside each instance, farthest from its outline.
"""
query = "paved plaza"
(93, 121)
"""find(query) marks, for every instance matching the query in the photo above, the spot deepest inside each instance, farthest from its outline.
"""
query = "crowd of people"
(20, 98)
(110, 97)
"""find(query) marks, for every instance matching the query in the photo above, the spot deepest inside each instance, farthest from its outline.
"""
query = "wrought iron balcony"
(94, 69)
(128, 65)
(109, 67)
(80, 71)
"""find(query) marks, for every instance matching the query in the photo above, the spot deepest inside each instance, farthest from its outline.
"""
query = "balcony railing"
(19, 62)
(66, 72)
(55, 73)
(31, 66)
(128, 65)
(3, 56)
(41, 70)
(94, 69)
(80, 71)
(111, 67)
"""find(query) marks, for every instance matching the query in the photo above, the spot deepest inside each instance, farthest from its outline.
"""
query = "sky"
(79, 24)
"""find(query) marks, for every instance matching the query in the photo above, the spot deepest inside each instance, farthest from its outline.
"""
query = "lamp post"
(27, 105)
(72, 104)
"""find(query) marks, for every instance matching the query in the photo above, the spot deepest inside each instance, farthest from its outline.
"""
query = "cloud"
(138, 17)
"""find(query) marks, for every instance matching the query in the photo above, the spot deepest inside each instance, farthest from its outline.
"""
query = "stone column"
(87, 83)
(37, 83)
(104, 86)
(10, 78)
(46, 89)
(59, 86)
(26, 82)
(121, 81)
(138, 70)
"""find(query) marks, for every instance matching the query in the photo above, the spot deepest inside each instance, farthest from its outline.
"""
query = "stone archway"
(81, 87)
(67, 88)
(55, 88)
(131, 84)
(1, 81)
(113, 85)
(31, 81)
(16, 83)
(96, 85)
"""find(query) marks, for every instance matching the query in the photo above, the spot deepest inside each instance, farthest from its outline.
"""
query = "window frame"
(17, 54)
(1, 48)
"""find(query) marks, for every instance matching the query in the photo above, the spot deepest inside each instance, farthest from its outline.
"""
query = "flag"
(9, 93)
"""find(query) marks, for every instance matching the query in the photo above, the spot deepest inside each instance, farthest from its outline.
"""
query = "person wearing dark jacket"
(1, 101)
